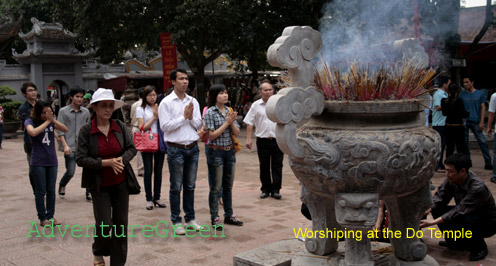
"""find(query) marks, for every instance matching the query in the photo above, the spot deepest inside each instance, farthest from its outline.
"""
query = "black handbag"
(132, 183)
(134, 187)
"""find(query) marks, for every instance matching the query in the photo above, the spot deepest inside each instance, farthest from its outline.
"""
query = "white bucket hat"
(105, 95)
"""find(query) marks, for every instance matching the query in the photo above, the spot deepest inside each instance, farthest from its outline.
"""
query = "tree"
(41, 9)
(262, 22)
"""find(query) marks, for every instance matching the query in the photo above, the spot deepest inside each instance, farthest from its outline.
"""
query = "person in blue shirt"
(475, 103)
(438, 119)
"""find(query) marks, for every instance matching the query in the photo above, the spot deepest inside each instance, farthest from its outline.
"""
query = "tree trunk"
(200, 86)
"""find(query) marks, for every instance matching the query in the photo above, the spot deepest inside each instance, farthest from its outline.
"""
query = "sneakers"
(276, 195)
(194, 224)
(216, 224)
(61, 191)
(264, 195)
(488, 167)
(232, 220)
(493, 179)
(179, 229)
(88, 197)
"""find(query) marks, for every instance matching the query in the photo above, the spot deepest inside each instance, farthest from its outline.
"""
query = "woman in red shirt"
(104, 151)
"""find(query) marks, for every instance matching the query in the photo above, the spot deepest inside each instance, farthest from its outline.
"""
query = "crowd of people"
(455, 113)
(90, 137)
(104, 147)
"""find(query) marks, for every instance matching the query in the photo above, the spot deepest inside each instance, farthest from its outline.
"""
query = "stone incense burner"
(348, 155)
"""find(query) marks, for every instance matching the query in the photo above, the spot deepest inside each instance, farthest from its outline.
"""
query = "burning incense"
(399, 81)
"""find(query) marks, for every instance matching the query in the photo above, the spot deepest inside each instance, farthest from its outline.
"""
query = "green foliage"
(6, 90)
(10, 110)
(10, 107)
(41, 9)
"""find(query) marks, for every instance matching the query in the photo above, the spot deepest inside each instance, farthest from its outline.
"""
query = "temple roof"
(471, 22)
(47, 31)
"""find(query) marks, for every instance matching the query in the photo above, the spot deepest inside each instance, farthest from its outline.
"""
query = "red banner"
(169, 58)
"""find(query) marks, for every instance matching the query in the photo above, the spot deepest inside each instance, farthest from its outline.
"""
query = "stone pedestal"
(292, 252)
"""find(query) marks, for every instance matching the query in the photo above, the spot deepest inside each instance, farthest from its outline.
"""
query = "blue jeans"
(45, 178)
(148, 160)
(183, 164)
(221, 168)
(70, 166)
(479, 135)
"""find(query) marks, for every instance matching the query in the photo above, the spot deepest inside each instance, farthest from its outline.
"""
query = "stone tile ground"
(266, 220)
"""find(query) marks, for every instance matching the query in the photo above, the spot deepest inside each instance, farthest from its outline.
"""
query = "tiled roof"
(471, 22)
(50, 34)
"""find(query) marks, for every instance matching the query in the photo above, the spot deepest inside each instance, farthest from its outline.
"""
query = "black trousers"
(481, 227)
(455, 136)
(270, 158)
(440, 130)
(111, 207)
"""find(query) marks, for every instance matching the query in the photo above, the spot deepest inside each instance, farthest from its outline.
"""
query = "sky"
(471, 3)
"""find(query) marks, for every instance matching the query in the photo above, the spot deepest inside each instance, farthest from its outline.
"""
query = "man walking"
(438, 119)
(30, 92)
(475, 103)
(73, 116)
(180, 120)
(269, 154)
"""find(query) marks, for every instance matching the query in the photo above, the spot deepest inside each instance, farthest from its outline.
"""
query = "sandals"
(98, 263)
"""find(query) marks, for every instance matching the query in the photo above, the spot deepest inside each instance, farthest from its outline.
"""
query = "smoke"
(366, 30)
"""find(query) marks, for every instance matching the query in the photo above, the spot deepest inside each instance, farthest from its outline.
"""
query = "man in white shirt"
(269, 154)
(134, 123)
(180, 120)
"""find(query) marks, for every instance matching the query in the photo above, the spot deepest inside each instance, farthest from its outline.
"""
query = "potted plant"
(11, 121)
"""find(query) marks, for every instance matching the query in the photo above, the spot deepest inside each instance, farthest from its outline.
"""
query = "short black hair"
(173, 73)
(459, 161)
(214, 92)
(75, 90)
(140, 92)
(443, 80)
(25, 86)
(469, 78)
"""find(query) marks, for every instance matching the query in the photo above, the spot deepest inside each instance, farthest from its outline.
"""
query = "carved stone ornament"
(289, 107)
(349, 154)
(295, 50)
(292, 106)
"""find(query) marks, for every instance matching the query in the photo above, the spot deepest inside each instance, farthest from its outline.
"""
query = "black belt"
(182, 146)
(269, 138)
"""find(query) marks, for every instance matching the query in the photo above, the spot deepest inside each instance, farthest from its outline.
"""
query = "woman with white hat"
(104, 151)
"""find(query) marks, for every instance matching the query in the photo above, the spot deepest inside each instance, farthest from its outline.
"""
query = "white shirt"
(176, 128)
(492, 105)
(135, 105)
(264, 127)
(147, 115)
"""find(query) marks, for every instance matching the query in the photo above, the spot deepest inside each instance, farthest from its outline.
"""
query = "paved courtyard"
(266, 220)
